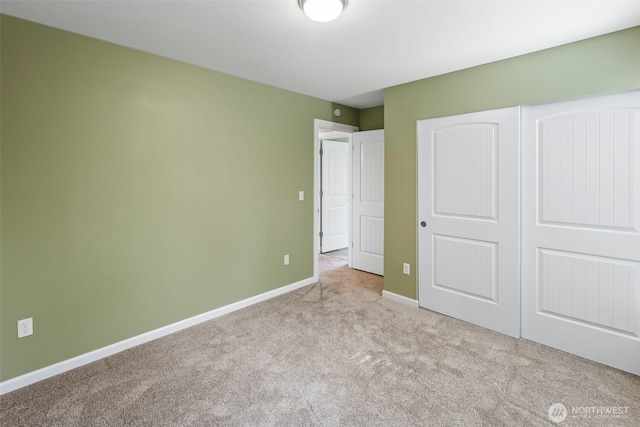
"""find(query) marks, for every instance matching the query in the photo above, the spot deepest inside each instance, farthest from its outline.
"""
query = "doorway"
(326, 130)
(365, 193)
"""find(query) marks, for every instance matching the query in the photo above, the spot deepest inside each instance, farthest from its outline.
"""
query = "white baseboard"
(75, 362)
(399, 298)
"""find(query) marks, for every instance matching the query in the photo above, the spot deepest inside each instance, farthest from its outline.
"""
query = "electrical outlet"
(25, 327)
(286, 259)
(406, 268)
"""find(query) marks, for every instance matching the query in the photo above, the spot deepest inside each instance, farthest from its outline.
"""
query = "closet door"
(581, 228)
(468, 169)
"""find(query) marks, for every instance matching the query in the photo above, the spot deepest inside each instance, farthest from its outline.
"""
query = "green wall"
(372, 118)
(138, 191)
(603, 64)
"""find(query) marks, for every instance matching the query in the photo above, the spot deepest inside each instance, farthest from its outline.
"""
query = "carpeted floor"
(335, 270)
(330, 354)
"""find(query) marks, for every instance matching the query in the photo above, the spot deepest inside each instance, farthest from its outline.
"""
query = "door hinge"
(321, 193)
(321, 151)
(321, 234)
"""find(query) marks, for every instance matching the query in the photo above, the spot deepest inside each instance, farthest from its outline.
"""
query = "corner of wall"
(372, 118)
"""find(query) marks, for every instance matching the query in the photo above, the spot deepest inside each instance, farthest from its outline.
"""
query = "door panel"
(572, 145)
(464, 166)
(368, 201)
(466, 266)
(335, 196)
(468, 170)
(581, 241)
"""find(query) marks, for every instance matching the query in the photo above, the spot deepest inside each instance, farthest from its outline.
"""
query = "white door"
(581, 228)
(334, 197)
(468, 209)
(368, 201)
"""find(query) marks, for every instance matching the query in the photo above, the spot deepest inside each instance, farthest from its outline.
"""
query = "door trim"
(325, 125)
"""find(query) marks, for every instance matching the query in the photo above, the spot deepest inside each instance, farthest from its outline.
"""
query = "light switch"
(300, 195)
(406, 268)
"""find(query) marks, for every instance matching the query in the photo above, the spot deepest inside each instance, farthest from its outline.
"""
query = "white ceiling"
(374, 44)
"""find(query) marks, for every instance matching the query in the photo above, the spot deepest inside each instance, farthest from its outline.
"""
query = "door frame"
(319, 124)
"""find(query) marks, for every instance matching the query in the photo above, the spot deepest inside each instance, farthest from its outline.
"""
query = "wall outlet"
(301, 195)
(25, 327)
(406, 268)
(286, 259)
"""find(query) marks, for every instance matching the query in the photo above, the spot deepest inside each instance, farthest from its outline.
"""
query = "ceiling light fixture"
(322, 10)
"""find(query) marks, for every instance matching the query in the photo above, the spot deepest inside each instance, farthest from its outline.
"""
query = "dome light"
(322, 10)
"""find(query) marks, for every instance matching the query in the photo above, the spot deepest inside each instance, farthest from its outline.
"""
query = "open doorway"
(332, 190)
(366, 208)
(367, 174)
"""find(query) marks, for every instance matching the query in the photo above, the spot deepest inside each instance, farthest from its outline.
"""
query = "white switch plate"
(406, 268)
(25, 327)
(300, 195)
(286, 260)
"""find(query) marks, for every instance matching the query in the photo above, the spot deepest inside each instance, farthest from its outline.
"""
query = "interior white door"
(334, 196)
(581, 228)
(468, 203)
(368, 201)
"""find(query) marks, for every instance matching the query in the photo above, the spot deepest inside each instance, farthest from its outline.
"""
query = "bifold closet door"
(468, 184)
(581, 227)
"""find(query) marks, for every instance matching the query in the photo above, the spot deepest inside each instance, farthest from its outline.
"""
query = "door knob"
(424, 224)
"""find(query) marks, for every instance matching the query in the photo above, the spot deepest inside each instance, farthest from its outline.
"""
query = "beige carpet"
(335, 270)
(328, 355)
